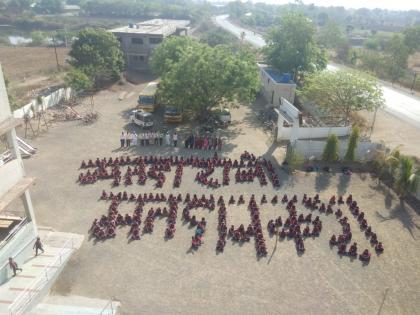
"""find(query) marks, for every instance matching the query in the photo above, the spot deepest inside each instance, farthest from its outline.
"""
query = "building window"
(137, 41)
(155, 40)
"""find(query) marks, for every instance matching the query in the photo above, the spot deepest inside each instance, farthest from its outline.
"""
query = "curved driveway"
(397, 102)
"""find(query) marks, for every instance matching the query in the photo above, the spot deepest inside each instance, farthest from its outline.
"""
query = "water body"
(398, 103)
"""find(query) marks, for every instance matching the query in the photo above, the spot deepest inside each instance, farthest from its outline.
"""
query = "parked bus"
(172, 115)
(147, 98)
(141, 118)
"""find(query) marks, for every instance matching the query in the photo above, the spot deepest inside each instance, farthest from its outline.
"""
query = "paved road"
(397, 102)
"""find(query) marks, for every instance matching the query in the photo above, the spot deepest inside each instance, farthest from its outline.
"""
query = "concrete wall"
(47, 101)
(269, 86)
(26, 234)
(322, 132)
(314, 148)
(4, 101)
(290, 109)
(10, 174)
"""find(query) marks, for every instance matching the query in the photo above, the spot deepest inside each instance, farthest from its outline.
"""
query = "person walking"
(175, 139)
(168, 138)
(122, 139)
(38, 246)
(14, 266)
(156, 138)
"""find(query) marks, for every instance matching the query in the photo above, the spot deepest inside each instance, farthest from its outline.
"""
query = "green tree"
(342, 92)
(205, 77)
(372, 61)
(291, 47)
(330, 153)
(352, 145)
(169, 53)
(236, 9)
(407, 177)
(331, 36)
(49, 6)
(38, 38)
(218, 36)
(97, 53)
(78, 81)
(18, 6)
(396, 55)
(412, 38)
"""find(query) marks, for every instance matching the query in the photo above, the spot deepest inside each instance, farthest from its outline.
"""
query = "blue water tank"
(286, 77)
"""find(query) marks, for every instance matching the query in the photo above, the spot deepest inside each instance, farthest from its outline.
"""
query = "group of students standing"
(128, 139)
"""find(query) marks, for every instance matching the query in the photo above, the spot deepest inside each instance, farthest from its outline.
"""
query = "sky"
(370, 4)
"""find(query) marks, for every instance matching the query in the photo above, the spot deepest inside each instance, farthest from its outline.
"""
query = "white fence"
(321, 132)
(47, 101)
(314, 148)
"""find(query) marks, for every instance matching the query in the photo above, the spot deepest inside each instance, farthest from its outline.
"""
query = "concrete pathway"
(39, 272)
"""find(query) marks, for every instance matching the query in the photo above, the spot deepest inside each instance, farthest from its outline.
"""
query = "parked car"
(141, 118)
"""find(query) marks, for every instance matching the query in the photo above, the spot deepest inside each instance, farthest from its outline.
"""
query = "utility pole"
(414, 82)
(55, 51)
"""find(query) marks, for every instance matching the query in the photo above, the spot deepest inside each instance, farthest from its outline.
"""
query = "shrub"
(352, 145)
(330, 153)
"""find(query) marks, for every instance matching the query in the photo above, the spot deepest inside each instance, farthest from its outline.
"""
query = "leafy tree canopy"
(331, 36)
(412, 38)
(342, 92)
(396, 55)
(203, 77)
(78, 81)
(97, 53)
(169, 53)
(291, 47)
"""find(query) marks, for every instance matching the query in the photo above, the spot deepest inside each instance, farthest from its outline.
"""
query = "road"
(397, 102)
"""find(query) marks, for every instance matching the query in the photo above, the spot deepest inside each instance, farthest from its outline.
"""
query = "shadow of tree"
(401, 213)
(343, 184)
(322, 181)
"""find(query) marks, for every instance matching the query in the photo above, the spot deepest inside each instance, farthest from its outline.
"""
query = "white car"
(141, 118)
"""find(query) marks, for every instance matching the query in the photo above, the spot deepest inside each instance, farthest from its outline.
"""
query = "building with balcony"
(140, 39)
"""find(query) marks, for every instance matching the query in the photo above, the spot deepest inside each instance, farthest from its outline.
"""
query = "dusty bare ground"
(154, 276)
(30, 69)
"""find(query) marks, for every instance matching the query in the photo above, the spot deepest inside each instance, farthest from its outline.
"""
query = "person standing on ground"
(156, 138)
(122, 139)
(134, 138)
(146, 138)
(38, 246)
(175, 139)
(14, 266)
(219, 144)
(168, 138)
(127, 139)
(160, 138)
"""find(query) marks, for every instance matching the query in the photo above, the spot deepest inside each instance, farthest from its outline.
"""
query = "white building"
(275, 86)
(26, 291)
(291, 125)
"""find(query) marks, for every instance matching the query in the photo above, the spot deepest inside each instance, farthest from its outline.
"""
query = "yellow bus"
(172, 115)
(147, 98)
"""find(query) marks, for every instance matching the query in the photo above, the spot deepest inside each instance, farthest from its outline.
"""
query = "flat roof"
(163, 27)
(284, 78)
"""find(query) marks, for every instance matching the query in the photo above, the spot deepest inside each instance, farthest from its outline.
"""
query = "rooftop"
(153, 27)
(284, 78)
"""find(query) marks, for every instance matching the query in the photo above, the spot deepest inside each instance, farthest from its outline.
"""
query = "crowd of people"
(207, 142)
(128, 139)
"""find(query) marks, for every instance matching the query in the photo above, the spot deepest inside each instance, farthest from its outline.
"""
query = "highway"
(397, 102)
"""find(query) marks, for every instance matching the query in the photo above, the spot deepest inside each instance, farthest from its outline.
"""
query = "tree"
(412, 38)
(396, 57)
(342, 92)
(78, 81)
(330, 153)
(218, 36)
(49, 6)
(291, 47)
(38, 38)
(407, 177)
(205, 77)
(330, 36)
(97, 53)
(169, 53)
(352, 145)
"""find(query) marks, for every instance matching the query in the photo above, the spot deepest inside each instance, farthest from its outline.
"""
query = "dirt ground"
(154, 276)
(30, 69)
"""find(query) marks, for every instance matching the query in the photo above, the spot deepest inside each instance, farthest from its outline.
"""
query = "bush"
(330, 153)
(352, 145)
(293, 158)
